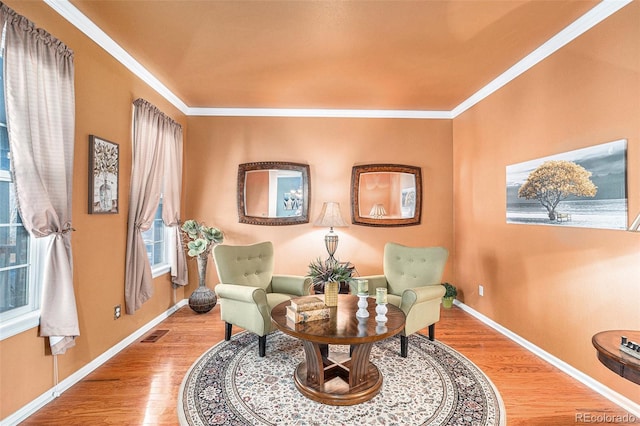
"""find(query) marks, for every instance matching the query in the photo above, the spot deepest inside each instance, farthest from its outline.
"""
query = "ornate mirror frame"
(356, 176)
(243, 169)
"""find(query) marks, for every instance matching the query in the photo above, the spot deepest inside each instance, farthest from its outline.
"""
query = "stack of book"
(307, 308)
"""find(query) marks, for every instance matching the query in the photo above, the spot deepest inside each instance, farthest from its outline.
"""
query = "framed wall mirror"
(273, 193)
(386, 195)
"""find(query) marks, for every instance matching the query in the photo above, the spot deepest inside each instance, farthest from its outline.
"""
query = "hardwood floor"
(140, 385)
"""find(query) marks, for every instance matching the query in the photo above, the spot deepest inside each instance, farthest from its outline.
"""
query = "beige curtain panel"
(156, 167)
(172, 196)
(40, 104)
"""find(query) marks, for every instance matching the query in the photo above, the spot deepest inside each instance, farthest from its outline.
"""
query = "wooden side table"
(607, 343)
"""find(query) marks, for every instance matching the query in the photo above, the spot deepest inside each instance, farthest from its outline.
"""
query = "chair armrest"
(375, 281)
(412, 296)
(241, 293)
(291, 284)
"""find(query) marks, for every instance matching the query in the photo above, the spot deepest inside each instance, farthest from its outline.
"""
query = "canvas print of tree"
(582, 188)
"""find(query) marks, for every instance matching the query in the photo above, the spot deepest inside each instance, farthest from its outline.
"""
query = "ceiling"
(386, 55)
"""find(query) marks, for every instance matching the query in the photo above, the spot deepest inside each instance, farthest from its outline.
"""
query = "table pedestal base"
(337, 380)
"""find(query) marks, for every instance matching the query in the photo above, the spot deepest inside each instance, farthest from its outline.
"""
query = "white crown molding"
(587, 21)
(613, 396)
(318, 113)
(91, 30)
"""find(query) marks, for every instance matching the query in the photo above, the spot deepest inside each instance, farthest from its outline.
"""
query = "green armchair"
(248, 289)
(412, 276)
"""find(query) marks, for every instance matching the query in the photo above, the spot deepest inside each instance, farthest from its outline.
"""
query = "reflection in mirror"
(386, 195)
(273, 193)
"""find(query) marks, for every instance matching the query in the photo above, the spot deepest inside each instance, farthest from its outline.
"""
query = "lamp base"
(331, 243)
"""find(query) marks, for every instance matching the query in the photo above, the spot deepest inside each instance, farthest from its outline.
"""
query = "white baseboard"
(54, 392)
(613, 396)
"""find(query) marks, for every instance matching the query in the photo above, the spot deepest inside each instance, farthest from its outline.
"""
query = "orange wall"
(105, 91)
(331, 147)
(554, 286)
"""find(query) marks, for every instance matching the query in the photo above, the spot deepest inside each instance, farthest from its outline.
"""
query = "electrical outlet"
(117, 311)
(481, 290)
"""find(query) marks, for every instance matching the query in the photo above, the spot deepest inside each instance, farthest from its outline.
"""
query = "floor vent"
(154, 336)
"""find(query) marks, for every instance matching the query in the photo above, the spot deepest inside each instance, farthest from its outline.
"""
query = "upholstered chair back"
(409, 267)
(245, 265)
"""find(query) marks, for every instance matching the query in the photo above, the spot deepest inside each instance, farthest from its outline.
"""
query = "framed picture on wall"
(104, 157)
(584, 188)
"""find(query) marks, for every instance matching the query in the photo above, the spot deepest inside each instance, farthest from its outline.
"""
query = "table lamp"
(331, 217)
(377, 211)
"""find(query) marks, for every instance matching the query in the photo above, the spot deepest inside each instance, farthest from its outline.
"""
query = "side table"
(607, 343)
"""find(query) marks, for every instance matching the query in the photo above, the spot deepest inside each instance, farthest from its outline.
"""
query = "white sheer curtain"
(156, 167)
(40, 104)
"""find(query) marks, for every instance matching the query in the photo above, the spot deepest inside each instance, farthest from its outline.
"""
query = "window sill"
(161, 269)
(19, 324)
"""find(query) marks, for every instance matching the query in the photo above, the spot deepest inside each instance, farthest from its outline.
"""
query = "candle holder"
(362, 326)
(381, 311)
(362, 306)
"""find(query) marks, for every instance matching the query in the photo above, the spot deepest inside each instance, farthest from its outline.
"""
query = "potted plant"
(322, 272)
(450, 293)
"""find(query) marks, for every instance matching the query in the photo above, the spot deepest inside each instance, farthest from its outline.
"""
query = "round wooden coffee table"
(339, 378)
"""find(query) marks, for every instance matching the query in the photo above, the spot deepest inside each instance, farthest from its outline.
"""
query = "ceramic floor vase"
(203, 299)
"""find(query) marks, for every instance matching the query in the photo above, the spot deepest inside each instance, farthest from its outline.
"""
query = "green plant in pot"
(322, 272)
(450, 293)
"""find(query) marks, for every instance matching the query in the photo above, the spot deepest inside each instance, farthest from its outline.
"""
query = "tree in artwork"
(556, 180)
(106, 159)
(105, 165)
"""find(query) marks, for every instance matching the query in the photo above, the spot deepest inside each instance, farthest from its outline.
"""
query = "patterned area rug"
(434, 385)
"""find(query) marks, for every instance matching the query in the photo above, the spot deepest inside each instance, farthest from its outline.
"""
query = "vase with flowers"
(199, 240)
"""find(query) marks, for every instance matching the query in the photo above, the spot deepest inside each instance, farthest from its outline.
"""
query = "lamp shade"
(330, 216)
(377, 211)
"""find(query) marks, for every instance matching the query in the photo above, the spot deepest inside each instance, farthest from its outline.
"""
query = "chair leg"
(227, 331)
(262, 346)
(404, 346)
(432, 332)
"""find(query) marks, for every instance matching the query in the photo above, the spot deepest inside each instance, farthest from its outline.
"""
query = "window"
(19, 274)
(156, 243)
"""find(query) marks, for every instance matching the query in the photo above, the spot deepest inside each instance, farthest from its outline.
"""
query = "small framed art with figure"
(104, 157)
